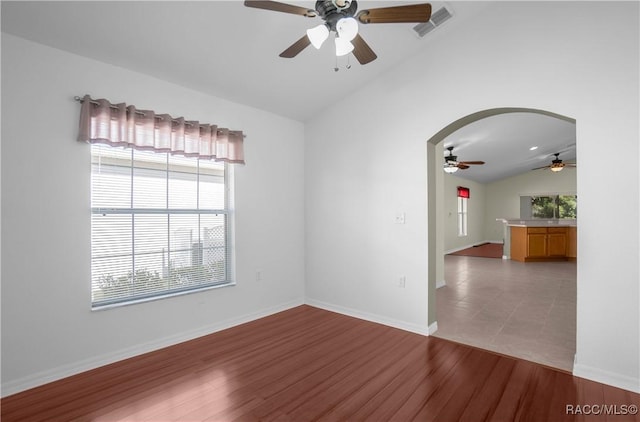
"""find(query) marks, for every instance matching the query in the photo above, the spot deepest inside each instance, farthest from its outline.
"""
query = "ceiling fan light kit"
(347, 28)
(318, 35)
(343, 46)
(340, 17)
(450, 168)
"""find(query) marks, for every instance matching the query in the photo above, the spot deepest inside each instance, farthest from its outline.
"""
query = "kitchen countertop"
(516, 222)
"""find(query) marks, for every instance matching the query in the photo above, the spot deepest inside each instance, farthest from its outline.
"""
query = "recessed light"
(533, 148)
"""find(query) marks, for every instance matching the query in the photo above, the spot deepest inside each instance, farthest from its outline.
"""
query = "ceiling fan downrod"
(341, 4)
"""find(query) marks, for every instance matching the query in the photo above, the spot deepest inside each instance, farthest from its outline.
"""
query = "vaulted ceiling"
(231, 51)
(511, 144)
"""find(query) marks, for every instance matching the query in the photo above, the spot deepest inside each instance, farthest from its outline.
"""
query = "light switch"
(400, 219)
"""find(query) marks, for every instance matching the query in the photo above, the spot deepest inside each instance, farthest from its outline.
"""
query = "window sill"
(159, 297)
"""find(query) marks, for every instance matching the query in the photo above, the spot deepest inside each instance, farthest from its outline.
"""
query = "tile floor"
(527, 310)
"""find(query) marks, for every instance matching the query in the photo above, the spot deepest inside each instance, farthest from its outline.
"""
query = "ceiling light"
(450, 168)
(556, 167)
(347, 28)
(343, 46)
(318, 35)
(533, 148)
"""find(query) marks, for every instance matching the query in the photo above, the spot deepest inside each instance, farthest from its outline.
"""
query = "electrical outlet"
(402, 281)
(400, 218)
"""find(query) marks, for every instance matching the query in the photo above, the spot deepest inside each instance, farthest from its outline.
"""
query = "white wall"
(475, 213)
(503, 196)
(355, 186)
(577, 59)
(48, 329)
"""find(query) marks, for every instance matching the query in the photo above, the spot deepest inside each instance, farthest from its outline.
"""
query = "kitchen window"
(549, 206)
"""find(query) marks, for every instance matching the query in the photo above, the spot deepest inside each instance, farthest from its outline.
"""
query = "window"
(554, 206)
(463, 197)
(462, 216)
(159, 225)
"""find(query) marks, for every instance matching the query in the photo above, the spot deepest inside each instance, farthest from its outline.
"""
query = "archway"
(436, 257)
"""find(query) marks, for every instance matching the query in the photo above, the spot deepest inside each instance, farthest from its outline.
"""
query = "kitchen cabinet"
(572, 246)
(539, 243)
(557, 241)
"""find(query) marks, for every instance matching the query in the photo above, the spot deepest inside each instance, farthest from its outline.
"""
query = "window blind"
(159, 225)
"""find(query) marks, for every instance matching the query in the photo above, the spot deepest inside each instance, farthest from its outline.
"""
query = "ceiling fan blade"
(361, 50)
(396, 14)
(472, 162)
(281, 7)
(462, 166)
(296, 47)
(543, 167)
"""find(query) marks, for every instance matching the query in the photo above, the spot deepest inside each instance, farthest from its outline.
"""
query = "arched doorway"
(436, 254)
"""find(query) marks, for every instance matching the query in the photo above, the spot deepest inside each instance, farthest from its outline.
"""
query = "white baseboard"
(605, 377)
(440, 283)
(379, 319)
(433, 328)
(471, 245)
(44, 377)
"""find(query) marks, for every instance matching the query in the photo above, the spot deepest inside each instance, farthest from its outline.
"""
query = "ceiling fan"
(556, 164)
(342, 18)
(451, 163)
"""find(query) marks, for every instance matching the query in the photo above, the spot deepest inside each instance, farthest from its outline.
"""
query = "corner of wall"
(379, 319)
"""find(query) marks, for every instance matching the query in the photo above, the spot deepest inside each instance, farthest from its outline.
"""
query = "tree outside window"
(554, 206)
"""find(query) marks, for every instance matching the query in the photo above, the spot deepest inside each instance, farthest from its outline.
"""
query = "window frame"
(527, 208)
(464, 194)
(228, 227)
(463, 213)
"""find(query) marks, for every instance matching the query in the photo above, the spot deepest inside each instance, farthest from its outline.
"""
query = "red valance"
(463, 192)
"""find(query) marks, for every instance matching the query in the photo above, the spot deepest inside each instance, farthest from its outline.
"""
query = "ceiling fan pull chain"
(336, 68)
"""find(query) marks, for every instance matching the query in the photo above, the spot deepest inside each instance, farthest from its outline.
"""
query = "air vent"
(437, 18)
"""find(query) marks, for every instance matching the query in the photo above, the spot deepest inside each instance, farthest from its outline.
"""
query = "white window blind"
(462, 216)
(159, 225)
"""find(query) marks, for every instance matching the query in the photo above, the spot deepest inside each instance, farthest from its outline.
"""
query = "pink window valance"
(122, 125)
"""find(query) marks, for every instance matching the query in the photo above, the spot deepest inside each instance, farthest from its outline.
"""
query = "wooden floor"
(307, 364)
(485, 250)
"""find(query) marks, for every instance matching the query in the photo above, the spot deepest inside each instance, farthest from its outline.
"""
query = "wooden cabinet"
(572, 243)
(557, 241)
(539, 243)
(536, 242)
